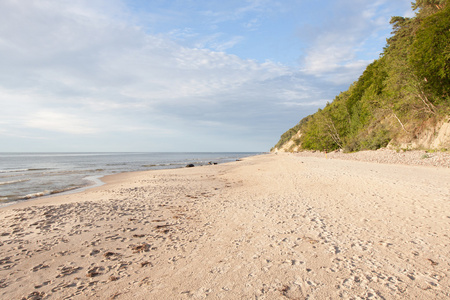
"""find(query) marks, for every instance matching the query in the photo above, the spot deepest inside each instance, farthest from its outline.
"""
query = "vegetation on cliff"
(399, 95)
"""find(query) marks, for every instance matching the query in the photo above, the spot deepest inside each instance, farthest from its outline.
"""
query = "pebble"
(412, 157)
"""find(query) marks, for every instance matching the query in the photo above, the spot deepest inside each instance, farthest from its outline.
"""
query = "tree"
(437, 4)
(430, 53)
(399, 95)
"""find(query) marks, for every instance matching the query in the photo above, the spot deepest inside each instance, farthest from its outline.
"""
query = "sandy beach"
(286, 226)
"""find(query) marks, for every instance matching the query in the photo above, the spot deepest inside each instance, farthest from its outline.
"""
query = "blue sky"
(135, 75)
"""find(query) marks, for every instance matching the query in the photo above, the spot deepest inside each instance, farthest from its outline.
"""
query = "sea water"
(29, 175)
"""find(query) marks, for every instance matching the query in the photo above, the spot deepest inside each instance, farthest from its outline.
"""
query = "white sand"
(268, 227)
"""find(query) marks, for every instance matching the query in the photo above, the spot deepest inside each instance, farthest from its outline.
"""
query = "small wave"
(66, 172)
(47, 192)
(94, 181)
(38, 194)
(10, 175)
(24, 170)
(13, 170)
(163, 165)
(75, 154)
(13, 181)
(65, 190)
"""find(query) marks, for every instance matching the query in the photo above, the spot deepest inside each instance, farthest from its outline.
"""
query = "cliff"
(402, 99)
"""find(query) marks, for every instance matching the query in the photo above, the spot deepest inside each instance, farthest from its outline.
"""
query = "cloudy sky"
(193, 75)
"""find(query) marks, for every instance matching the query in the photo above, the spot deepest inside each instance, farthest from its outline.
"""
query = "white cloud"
(89, 69)
(95, 53)
(60, 122)
(228, 44)
(231, 13)
(252, 25)
(336, 47)
(8, 133)
(81, 71)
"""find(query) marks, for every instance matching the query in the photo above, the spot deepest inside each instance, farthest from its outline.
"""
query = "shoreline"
(95, 183)
(268, 226)
(104, 180)
(92, 181)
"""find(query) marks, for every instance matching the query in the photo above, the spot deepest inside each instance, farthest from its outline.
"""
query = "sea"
(25, 176)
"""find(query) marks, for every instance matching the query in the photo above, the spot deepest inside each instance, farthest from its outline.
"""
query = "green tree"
(398, 95)
(430, 54)
(429, 4)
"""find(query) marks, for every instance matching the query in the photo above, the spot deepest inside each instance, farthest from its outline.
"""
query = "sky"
(178, 76)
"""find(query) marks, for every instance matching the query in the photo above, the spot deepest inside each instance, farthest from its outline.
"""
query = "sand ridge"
(268, 227)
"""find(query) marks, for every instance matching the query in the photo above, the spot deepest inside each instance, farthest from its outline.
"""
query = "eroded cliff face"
(432, 138)
(292, 145)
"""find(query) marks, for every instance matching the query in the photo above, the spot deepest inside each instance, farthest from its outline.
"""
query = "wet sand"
(268, 227)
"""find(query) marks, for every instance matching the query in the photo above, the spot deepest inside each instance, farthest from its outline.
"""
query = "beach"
(285, 226)
(28, 175)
